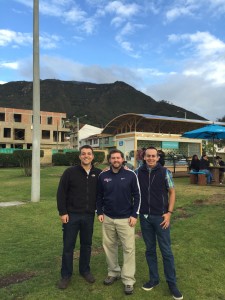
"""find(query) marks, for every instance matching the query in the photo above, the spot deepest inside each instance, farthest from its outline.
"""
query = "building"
(76, 141)
(134, 131)
(16, 126)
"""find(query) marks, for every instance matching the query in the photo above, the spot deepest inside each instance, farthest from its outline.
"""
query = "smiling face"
(86, 156)
(116, 160)
(151, 157)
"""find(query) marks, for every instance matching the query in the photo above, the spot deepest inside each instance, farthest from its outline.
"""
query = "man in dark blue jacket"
(76, 201)
(157, 204)
(118, 203)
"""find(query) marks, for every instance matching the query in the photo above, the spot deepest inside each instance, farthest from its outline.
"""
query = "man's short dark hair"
(115, 151)
(86, 147)
(152, 148)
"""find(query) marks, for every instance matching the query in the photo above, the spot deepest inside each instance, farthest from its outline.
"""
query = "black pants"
(82, 223)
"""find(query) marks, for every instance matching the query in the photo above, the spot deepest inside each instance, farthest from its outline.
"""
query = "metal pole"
(35, 185)
(57, 141)
(78, 126)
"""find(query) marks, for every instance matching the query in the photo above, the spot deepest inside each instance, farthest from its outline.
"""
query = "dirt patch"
(15, 278)
(138, 234)
(94, 252)
(181, 213)
(213, 199)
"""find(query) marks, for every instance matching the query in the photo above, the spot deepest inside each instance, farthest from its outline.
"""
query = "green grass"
(31, 242)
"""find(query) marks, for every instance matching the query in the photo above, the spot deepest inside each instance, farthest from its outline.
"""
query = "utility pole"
(78, 128)
(35, 185)
(183, 111)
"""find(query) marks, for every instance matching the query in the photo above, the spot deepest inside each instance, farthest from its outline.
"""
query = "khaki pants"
(113, 231)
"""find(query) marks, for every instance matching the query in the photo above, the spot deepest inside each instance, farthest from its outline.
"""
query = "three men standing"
(118, 205)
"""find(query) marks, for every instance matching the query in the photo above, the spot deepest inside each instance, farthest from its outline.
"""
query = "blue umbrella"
(209, 132)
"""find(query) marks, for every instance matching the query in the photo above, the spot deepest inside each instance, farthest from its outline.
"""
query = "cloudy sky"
(172, 50)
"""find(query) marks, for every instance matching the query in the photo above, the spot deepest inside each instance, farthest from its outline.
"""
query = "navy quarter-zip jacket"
(118, 194)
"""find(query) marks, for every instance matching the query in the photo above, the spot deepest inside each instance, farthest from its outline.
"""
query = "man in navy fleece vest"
(157, 204)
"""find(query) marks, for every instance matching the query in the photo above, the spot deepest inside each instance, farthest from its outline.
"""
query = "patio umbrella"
(210, 132)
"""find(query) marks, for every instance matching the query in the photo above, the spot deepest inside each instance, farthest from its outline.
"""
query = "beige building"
(135, 131)
(16, 129)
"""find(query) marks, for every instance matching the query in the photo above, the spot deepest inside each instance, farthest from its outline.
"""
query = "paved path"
(13, 203)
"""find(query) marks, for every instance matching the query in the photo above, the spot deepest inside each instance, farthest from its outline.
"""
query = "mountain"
(100, 102)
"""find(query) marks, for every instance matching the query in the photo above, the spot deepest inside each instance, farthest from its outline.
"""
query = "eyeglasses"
(149, 155)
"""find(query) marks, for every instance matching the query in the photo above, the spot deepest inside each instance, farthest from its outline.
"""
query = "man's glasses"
(149, 155)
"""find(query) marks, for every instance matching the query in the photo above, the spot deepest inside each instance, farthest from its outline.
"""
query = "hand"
(132, 221)
(166, 222)
(101, 218)
(106, 169)
(64, 218)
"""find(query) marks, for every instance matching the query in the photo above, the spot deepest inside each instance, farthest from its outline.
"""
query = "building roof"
(132, 122)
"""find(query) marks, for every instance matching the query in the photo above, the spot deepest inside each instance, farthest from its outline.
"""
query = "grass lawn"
(31, 245)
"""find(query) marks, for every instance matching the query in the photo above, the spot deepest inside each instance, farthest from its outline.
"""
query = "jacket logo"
(93, 175)
(107, 179)
(122, 178)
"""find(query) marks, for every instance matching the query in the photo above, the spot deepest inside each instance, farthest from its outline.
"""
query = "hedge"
(8, 160)
(24, 158)
(72, 158)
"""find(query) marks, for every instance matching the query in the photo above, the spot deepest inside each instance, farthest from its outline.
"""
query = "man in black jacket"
(76, 202)
(157, 204)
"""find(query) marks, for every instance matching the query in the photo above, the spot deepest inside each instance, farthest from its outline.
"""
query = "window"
(46, 134)
(49, 120)
(17, 117)
(7, 132)
(19, 134)
(2, 117)
(55, 136)
(106, 140)
(95, 141)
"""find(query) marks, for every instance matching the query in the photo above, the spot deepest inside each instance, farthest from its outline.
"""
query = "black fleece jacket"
(77, 191)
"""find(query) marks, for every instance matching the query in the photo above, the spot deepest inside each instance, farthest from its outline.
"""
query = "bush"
(60, 159)
(8, 160)
(24, 157)
(72, 158)
(99, 157)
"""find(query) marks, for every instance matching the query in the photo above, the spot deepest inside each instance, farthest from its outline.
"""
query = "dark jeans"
(82, 223)
(151, 230)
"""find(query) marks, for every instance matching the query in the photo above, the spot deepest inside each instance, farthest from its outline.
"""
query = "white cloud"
(191, 93)
(8, 37)
(15, 39)
(123, 10)
(10, 65)
(204, 43)
(205, 56)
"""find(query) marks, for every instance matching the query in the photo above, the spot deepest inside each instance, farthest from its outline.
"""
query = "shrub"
(99, 157)
(60, 159)
(8, 160)
(24, 157)
(72, 158)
